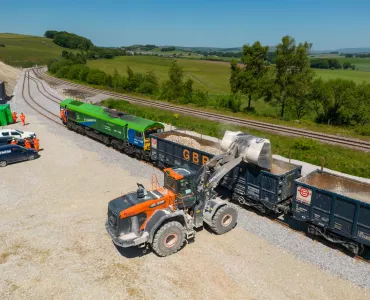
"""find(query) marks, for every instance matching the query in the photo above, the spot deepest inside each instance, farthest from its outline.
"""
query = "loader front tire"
(168, 239)
(224, 220)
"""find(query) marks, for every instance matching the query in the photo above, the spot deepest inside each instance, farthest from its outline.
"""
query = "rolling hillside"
(26, 51)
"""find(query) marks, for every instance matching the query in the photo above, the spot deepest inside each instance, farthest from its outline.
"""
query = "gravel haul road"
(10, 76)
(54, 244)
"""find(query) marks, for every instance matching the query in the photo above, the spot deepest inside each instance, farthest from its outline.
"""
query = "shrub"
(304, 144)
(363, 130)
(63, 72)
(96, 77)
(231, 102)
(83, 73)
(74, 72)
(57, 65)
(200, 98)
(147, 88)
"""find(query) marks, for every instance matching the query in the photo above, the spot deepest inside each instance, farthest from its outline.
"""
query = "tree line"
(290, 85)
(220, 54)
(330, 63)
(69, 40)
(174, 89)
(88, 51)
(168, 49)
(140, 47)
(359, 55)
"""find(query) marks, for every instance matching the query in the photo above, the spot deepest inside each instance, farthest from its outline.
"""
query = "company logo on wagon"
(304, 195)
(154, 143)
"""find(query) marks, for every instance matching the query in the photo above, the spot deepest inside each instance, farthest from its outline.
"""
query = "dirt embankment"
(9, 75)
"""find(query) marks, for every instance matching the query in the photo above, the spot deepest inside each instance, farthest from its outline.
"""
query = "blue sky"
(328, 24)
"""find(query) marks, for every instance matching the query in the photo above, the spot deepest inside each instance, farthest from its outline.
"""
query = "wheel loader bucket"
(250, 148)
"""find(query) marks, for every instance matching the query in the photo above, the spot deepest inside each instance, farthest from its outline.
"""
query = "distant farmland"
(356, 76)
(209, 75)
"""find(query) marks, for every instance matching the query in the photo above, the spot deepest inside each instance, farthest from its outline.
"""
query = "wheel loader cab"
(181, 182)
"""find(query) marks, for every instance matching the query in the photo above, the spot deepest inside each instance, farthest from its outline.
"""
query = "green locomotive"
(114, 128)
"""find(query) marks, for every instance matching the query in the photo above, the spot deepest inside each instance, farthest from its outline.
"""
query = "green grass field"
(355, 75)
(26, 51)
(207, 75)
(362, 64)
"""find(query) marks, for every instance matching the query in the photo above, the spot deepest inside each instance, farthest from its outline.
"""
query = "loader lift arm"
(207, 180)
(165, 217)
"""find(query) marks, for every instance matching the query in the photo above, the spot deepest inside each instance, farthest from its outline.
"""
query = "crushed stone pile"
(189, 142)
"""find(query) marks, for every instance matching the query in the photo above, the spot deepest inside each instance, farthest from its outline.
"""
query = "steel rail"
(26, 75)
(333, 139)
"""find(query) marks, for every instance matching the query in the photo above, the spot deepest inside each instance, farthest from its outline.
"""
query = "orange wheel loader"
(165, 217)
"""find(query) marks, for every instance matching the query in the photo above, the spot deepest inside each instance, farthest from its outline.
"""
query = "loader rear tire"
(168, 239)
(224, 220)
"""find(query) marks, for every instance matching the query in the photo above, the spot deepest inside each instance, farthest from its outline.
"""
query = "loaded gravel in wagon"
(335, 207)
(264, 188)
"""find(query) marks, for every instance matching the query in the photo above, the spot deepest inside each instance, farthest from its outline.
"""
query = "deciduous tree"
(293, 75)
(250, 79)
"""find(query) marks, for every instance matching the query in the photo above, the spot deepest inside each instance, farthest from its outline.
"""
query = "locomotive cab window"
(152, 130)
(138, 135)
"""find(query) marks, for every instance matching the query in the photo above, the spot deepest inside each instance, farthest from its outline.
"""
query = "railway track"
(277, 221)
(326, 138)
(36, 81)
(49, 96)
(50, 115)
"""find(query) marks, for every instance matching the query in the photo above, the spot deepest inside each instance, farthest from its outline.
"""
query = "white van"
(9, 132)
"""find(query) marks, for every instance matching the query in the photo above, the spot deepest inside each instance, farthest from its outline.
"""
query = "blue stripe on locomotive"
(88, 124)
(131, 137)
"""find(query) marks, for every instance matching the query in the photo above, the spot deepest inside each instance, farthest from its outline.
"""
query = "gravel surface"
(308, 168)
(339, 185)
(189, 142)
(47, 87)
(54, 244)
(97, 98)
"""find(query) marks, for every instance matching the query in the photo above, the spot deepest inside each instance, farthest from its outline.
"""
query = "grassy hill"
(26, 51)
(207, 75)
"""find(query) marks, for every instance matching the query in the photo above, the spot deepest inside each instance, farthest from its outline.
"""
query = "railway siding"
(326, 138)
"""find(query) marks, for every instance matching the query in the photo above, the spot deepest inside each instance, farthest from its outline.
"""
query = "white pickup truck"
(9, 132)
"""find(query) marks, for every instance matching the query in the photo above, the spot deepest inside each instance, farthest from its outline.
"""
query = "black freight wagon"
(168, 153)
(250, 185)
(335, 207)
